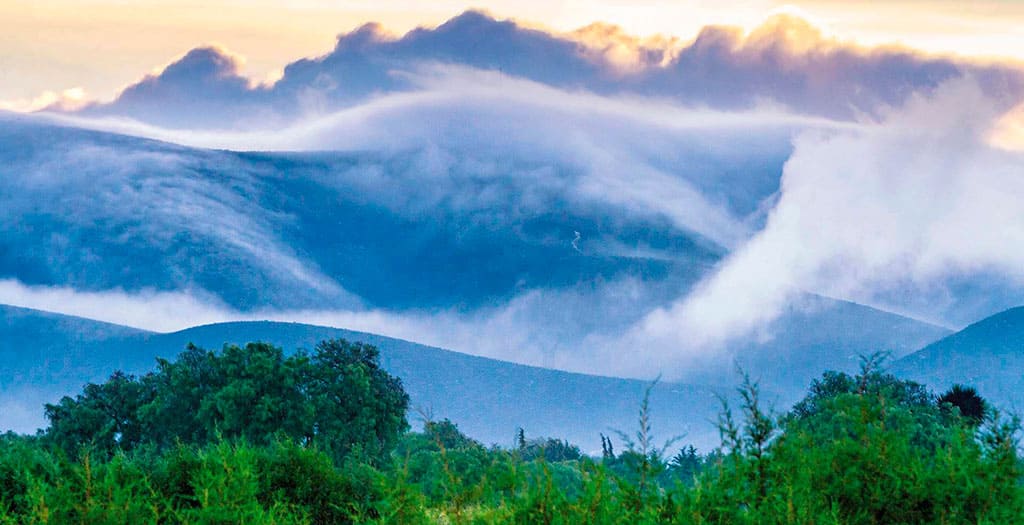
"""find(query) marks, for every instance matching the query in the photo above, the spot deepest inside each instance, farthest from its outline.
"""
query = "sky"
(91, 49)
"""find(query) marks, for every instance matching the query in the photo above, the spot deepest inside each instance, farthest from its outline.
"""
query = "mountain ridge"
(987, 354)
(488, 398)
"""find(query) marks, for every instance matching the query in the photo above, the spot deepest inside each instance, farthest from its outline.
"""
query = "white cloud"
(148, 310)
(67, 100)
(629, 152)
(786, 60)
(538, 327)
(876, 215)
(876, 212)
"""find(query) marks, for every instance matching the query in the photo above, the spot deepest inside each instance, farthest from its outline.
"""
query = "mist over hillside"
(765, 269)
(492, 255)
(588, 202)
(49, 356)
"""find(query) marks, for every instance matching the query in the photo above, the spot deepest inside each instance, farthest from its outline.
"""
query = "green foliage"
(357, 405)
(549, 449)
(104, 416)
(871, 381)
(322, 439)
(339, 399)
(966, 401)
(864, 449)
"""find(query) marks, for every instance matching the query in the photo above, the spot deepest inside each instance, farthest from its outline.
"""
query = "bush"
(858, 449)
(338, 398)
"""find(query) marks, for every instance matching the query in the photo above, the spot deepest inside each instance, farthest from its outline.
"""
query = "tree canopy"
(338, 398)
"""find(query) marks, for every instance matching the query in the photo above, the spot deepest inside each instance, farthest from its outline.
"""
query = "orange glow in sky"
(69, 49)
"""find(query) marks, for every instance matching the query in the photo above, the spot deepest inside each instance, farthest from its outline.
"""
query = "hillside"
(489, 399)
(50, 355)
(825, 335)
(988, 354)
(343, 229)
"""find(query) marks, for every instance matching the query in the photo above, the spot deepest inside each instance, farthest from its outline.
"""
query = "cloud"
(148, 310)
(204, 88)
(397, 211)
(915, 207)
(577, 328)
(441, 231)
(532, 147)
(68, 100)
(640, 155)
(538, 327)
(445, 214)
(786, 62)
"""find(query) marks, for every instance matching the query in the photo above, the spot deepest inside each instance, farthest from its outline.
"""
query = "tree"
(260, 395)
(357, 405)
(687, 464)
(869, 448)
(871, 381)
(249, 393)
(339, 399)
(104, 416)
(607, 449)
(550, 449)
(179, 389)
(972, 406)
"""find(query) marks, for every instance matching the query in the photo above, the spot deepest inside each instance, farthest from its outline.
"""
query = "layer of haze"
(902, 188)
(888, 213)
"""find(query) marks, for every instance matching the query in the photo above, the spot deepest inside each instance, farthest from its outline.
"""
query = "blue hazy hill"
(46, 356)
(828, 335)
(456, 226)
(988, 355)
(94, 211)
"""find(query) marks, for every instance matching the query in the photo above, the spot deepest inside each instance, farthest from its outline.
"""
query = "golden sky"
(96, 47)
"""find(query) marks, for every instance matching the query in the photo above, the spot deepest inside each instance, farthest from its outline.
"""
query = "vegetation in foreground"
(249, 435)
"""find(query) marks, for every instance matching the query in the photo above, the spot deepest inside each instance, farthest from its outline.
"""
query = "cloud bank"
(395, 204)
(411, 222)
(902, 214)
(538, 327)
(586, 201)
(786, 62)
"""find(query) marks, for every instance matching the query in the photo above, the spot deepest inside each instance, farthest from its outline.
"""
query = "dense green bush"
(338, 398)
(862, 449)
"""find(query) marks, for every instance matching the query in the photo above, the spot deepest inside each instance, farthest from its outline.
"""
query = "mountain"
(549, 241)
(988, 355)
(47, 356)
(518, 252)
(413, 228)
(825, 335)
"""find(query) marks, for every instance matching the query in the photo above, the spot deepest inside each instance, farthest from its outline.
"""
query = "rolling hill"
(47, 356)
(521, 238)
(348, 229)
(988, 355)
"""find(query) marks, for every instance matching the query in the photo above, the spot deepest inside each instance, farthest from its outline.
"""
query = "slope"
(489, 399)
(988, 355)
